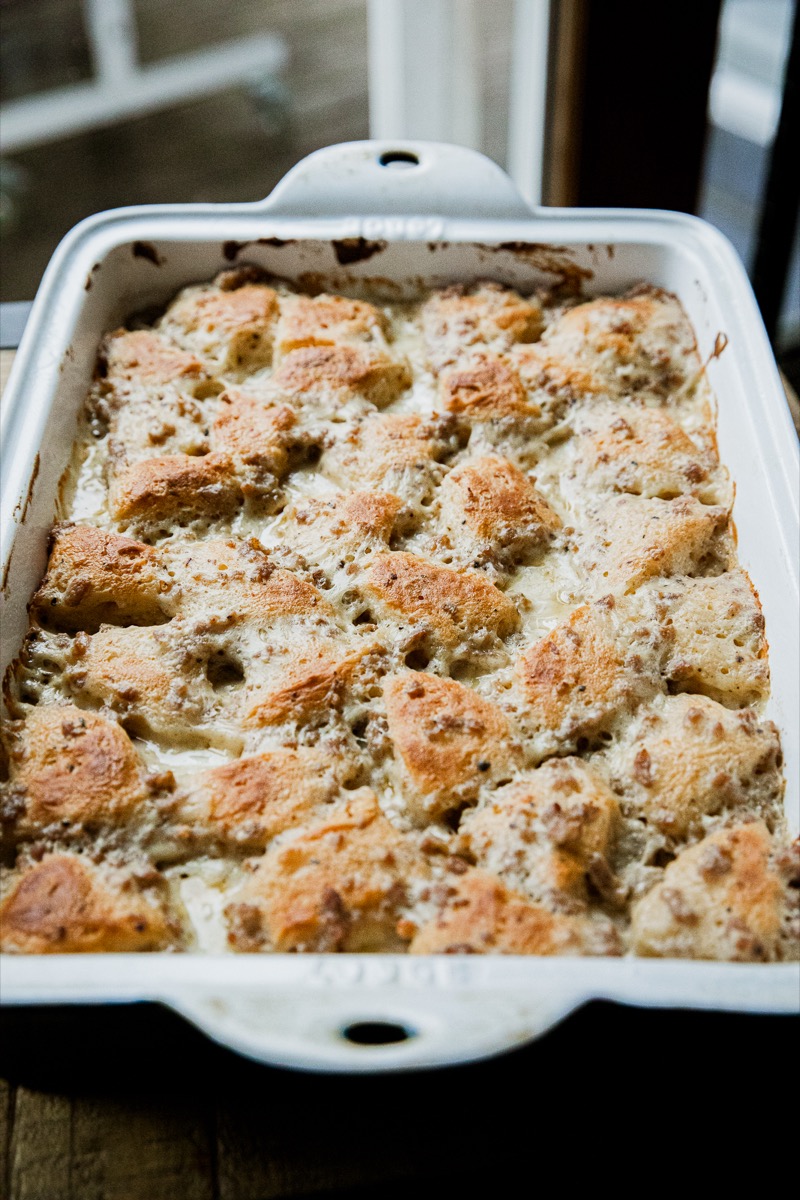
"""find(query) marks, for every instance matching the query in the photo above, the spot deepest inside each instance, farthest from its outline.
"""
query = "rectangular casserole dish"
(346, 214)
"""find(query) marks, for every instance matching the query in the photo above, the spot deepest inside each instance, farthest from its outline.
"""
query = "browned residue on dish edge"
(553, 260)
(356, 249)
(147, 250)
(22, 506)
(231, 249)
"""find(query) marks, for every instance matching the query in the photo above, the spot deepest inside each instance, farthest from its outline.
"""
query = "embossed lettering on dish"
(409, 229)
(377, 972)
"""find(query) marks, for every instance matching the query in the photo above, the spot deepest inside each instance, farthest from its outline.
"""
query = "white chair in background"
(122, 87)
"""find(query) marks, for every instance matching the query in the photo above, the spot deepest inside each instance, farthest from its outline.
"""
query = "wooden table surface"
(131, 1103)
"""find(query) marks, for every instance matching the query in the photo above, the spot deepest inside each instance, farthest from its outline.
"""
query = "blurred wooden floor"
(131, 1103)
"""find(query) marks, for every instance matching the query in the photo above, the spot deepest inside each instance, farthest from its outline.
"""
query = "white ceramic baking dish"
(443, 214)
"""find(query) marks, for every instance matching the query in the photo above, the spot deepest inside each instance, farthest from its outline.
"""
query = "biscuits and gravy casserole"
(409, 627)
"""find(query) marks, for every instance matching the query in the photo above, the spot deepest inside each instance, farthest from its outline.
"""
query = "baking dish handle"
(358, 1029)
(377, 178)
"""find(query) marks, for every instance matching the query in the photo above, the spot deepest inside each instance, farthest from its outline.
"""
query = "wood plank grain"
(41, 1143)
(142, 1147)
(133, 1086)
(282, 1134)
(6, 1120)
(267, 1150)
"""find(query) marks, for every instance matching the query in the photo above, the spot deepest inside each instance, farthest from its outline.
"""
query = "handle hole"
(376, 1033)
(399, 159)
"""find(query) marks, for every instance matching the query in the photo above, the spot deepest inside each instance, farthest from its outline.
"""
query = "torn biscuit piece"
(548, 834)
(328, 377)
(483, 916)
(314, 684)
(448, 605)
(95, 577)
(690, 758)
(247, 802)
(259, 437)
(150, 680)
(575, 679)
(228, 582)
(485, 389)
(342, 883)
(644, 452)
(152, 425)
(231, 330)
(342, 532)
(456, 320)
(401, 453)
(723, 898)
(631, 539)
(144, 362)
(549, 383)
(69, 768)
(177, 487)
(328, 321)
(493, 513)
(450, 742)
(711, 631)
(640, 345)
(67, 904)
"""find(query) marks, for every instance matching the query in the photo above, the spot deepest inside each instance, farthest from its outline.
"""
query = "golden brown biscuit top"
(486, 389)
(722, 898)
(65, 904)
(94, 576)
(226, 311)
(637, 345)
(250, 800)
(340, 369)
(328, 321)
(642, 451)
(574, 676)
(411, 626)
(482, 916)
(228, 327)
(455, 320)
(231, 581)
(147, 359)
(342, 883)
(691, 758)
(450, 741)
(493, 513)
(254, 430)
(175, 488)
(452, 604)
(69, 766)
